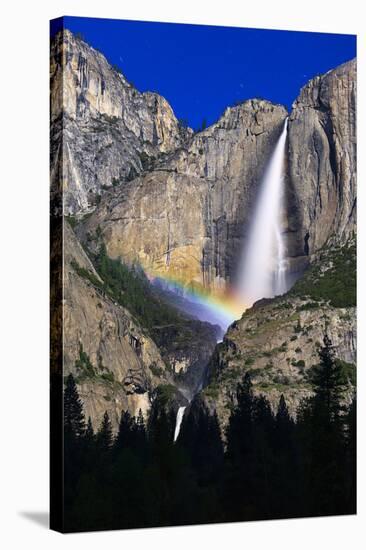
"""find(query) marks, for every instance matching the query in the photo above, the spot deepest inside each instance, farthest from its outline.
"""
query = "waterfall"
(178, 422)
(262, 273)
(263, 268)
(280, 283)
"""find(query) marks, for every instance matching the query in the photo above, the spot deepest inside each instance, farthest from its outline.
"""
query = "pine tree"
(284, 425)
(239, 430)
(262, 413)
(89, 432)
(282, 416)
(160, 429)
(248, 456)
(140, 422)
(328, 381)
(140, 432)
(74, 422)
(88, 448)
(74, 430)
(261, 457)
(215, 435)
(215, 452)
(351, 456)
(105, 436)
(321, 435)
(200, 439)
(285, 482)
(126, 432)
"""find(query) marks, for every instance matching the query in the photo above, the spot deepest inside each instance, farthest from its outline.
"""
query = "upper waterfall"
(262, 272)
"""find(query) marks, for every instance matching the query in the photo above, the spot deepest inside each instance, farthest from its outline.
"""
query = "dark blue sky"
(201, 70)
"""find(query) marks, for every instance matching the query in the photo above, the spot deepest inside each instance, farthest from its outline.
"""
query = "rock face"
(103, 131)
(156, 219)
(119, 372)
(278, 342)
(322, 161)
(187, 351)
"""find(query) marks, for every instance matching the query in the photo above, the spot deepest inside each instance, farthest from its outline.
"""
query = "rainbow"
(221, 308)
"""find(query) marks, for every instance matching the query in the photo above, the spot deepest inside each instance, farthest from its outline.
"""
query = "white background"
(24, 273)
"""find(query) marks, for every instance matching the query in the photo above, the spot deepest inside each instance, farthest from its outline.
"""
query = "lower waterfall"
(262, 272)
(178, 422)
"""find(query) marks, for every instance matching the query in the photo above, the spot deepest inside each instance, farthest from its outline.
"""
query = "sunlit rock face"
(157, 220)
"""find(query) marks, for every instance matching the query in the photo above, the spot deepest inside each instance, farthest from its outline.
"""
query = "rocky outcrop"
(187, 350)
(278, 344)
(322, 162)
(103, 131)
(277, 341)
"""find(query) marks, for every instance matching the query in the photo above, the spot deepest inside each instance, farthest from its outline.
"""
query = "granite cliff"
(97, 116)
(322, 162)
